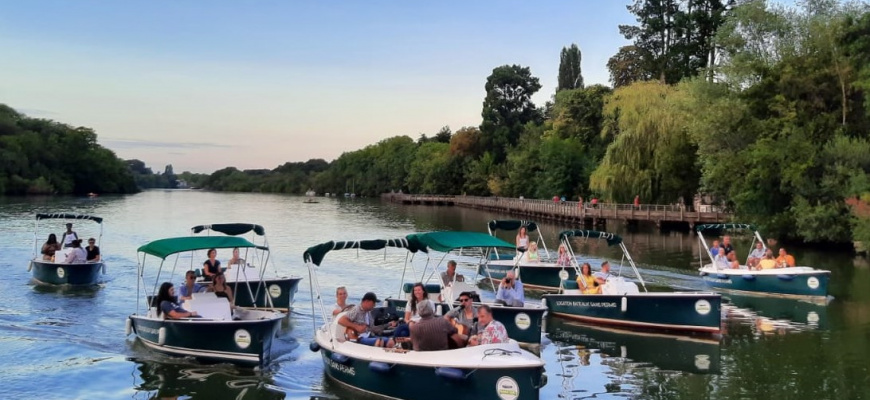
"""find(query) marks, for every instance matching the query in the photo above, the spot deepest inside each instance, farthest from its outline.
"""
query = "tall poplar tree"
(570, 73)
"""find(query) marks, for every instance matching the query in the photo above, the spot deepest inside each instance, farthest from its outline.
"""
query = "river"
(70, 344)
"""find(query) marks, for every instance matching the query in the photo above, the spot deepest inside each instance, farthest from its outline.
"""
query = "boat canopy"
(512, 225)
(315, 254)
(98, 220)
(163, 248)
(445, 241)
(612, 239)
(707, 227)
(231, 229)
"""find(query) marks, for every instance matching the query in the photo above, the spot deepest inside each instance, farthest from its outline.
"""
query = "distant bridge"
(573, 211)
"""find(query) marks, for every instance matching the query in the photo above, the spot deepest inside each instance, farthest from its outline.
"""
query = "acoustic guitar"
(461, 328)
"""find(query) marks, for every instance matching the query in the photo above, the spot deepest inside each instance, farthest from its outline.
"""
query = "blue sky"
(253, 84)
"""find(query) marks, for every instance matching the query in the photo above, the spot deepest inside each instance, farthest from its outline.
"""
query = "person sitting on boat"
(78, 255)
(510, 291)
(602, 276)
(93, 251)
(167, 303)
(450, 276)
(489, 330)
(235, 260)
(564, 258)
(586, 281)
(463, 317)
(721, 260)
(212, 266)
(522, 239)
(413, 309)
(340, 301)
(726, 244)
(68, 236)
(430, 333)
(768, 262)
(190, 286)
(756, 255)
(220, 288)
(732, 260)
(714, 249)
(50, 247)
(784, 260)
(532, 254)
(360, 323)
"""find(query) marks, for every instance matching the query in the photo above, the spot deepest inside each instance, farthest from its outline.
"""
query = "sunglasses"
(464, 300)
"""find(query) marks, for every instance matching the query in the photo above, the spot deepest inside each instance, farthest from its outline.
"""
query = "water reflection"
(171, 380)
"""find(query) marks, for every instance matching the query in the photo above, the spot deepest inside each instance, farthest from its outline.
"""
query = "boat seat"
(208, 305)
(430, 288)
(338, 330)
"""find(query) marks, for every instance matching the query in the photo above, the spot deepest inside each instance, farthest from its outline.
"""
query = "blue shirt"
(197, 287)
(512, 296)
(167, 306)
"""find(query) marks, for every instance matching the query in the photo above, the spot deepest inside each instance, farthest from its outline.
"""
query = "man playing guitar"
(361, 325)
(463, 317)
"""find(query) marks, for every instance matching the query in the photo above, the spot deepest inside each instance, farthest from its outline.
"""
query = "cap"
(424, 308)
(370, 296)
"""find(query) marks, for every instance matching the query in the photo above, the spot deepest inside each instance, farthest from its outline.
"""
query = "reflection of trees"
(168, 380)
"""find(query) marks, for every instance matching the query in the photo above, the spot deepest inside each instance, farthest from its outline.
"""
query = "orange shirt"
(788, 259)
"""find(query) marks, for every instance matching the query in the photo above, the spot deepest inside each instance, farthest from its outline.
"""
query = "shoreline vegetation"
(757, 107)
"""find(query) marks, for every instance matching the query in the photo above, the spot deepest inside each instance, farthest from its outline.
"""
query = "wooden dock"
(572, 211)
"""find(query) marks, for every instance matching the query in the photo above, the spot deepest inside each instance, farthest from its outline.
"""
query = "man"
(68, 236)
(714, 249)
(726, 244)
(448, 277)
(490, 330)
(361, 324)
(93, 251)
(430, 333)
(464, 316)
(721, 260)
(784, 260)
(755, 255)
(190, 286)
(510, 291)
(602, 276)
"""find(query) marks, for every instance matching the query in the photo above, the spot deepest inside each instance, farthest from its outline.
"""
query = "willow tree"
(651, 154)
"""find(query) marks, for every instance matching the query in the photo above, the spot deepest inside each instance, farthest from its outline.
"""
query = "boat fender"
(544, 302)
(339, 358)
(161, 336)
(313, 346)
(544, 380)
(722, 276)
(454, 374)
(703, 273)
(748, 277)
(624, 304)
(30, 266)
(784, 277)
(128, 329)
(380, 367)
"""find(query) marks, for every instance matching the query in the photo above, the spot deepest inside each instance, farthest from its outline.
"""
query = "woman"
(732, 260)
(532, 254)
(235, 260)
(212, 266)
(564, 258)
(220, 288)
(50, 247)
(522, 239)
(587, 282)
(167, 303)
(412, 313)
(340, 301)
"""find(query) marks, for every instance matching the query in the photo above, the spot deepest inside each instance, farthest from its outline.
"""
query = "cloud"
(140, 144)
(35, 112)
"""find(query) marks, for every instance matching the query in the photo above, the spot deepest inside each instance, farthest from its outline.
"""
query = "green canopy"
(512, 225)
(165, 247)
(709, 227)
(449, 240)
(315, 254)
(612, 239)
(231, 229)
(98, 220)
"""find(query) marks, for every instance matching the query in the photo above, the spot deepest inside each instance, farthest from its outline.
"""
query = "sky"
(203, 85)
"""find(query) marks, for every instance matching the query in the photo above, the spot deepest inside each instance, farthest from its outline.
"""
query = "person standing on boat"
(510, 291)
(522, 239)
(190, 286)
(450, 276)
(50, 247)
(93, 251)
(756, 255)
(430, 333)
(340, 301)
(491, 331)
(212, 266)
(78, 255)
(167, 303)
(361, 324)
(68, 236)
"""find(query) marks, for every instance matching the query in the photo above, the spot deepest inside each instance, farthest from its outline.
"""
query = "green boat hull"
(681, 312)
(540, 277)
(271, 293)
(66, 274)
(798, 285)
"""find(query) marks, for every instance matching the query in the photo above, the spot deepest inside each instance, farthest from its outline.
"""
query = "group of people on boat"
(211, 267)
(169, 300)
(70, 239)
(590, 283)
(760, 257)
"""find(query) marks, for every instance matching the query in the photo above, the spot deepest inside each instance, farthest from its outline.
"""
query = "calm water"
(70, 344)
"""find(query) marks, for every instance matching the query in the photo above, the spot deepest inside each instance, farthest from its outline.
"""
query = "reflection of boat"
(57, 272)
(787, 282)
(499, 370)
(275, 291)
(543, 274)
(805, 313)
(170, 380)
(621, 303)
(222, 333)
(666, 352)
(310, 201)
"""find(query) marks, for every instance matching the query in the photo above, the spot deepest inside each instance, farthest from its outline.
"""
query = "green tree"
(507, 108)
(626, 66)
(570, 72)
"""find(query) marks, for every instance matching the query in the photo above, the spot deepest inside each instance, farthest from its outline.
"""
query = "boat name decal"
(341, 368)
(593, 304)
(148, 330)
(716, 280)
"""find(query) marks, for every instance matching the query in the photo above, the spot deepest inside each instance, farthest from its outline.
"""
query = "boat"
(621, 303)
(251, 284)
(545, 274)
(489, 371)
(794, 282)
(56, 272)
(696, 355)
(223, 333)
